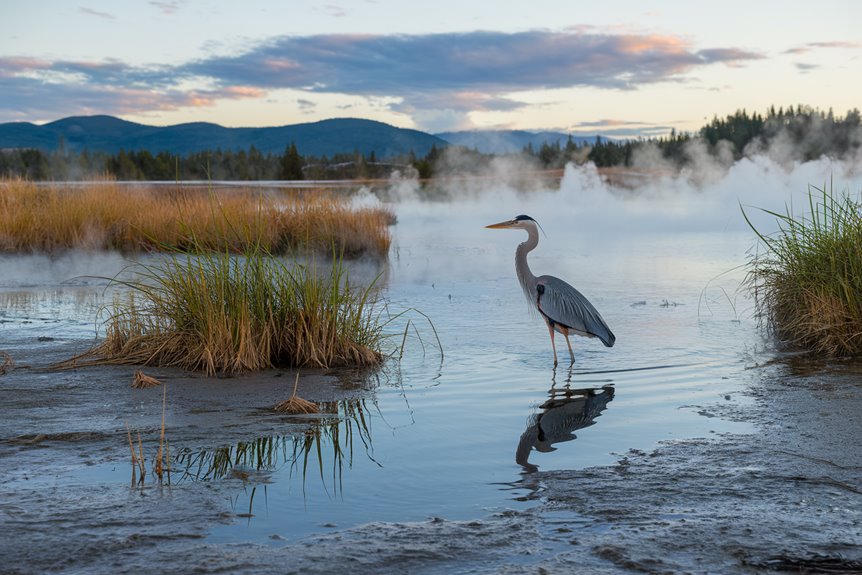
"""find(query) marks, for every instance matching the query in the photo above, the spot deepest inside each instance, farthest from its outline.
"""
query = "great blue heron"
(563, 308)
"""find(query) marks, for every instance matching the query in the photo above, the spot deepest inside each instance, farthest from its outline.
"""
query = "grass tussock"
(219, 312)
(296, 405)
(133, 218)
(808, 283)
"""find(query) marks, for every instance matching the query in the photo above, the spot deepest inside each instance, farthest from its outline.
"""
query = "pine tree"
(291, 164)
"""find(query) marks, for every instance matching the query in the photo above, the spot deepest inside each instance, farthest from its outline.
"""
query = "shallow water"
(428, 443)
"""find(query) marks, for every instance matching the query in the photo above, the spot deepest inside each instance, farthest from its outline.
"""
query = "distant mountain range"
(324, 138)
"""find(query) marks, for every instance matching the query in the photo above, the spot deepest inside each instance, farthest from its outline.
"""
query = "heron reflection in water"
(564, 412)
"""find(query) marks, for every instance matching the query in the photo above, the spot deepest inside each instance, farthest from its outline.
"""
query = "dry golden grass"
(296, 405)
(6, 362)
(142, 380)
(130, 218)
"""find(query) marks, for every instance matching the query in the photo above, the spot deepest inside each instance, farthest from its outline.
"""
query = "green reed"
(231, 313)
(808, 283)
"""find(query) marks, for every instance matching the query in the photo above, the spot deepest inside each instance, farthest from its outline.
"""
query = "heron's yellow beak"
(501, 225)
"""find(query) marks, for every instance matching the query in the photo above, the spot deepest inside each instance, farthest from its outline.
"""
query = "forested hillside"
(797, 133)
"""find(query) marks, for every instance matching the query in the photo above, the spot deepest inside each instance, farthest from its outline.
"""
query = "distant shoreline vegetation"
(152, 218)
(804, 132)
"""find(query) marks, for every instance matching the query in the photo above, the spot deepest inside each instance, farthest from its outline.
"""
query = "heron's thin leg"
(571, 353)
(553, 345)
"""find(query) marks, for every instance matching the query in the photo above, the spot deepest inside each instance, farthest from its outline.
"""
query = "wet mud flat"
(67, 498)
(787, 498)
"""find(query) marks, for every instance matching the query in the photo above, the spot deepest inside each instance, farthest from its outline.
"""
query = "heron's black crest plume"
(523, 217)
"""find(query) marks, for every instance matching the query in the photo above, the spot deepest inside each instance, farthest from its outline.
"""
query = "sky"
(613, 67)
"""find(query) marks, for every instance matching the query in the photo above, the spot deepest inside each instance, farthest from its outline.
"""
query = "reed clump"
(219, 312)
(808, 283)
(132, 218)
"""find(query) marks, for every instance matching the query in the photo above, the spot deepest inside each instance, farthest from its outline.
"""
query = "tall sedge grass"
(219, 312)
(131, 218)
(808, 283)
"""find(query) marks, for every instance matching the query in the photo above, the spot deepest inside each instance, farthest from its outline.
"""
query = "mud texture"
(785, 499)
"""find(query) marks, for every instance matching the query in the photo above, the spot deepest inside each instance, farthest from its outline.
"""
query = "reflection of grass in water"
(809, 281)
(328, 437)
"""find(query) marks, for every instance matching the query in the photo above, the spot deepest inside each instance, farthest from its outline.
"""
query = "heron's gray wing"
(567, 306)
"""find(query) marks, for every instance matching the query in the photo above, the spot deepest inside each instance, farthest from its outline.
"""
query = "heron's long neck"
(525, 276)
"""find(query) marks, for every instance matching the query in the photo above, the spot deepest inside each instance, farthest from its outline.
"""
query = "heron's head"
(521, 222)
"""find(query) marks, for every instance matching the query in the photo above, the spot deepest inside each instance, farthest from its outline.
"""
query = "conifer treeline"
(803, 132)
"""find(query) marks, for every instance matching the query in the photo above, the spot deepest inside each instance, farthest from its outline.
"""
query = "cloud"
(606, 122)
(168, 7)
(621, 128)
(435, 75)
(44, 99)
(805, 68)
(810, 46)
(489, 62)
(91, 12)
(335, 11)
(306, 104)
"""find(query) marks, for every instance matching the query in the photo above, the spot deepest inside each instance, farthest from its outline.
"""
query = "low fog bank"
(625, 221)
(652, 196)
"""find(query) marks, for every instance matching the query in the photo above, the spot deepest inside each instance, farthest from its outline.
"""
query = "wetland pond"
(692, 445)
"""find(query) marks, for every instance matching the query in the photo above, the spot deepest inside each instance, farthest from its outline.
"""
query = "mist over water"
(587, 216)
(705, 196)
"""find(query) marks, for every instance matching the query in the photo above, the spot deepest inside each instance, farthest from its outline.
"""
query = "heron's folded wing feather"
(567, 306)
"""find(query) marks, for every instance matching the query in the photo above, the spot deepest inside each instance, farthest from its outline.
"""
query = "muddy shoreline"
(787, 498)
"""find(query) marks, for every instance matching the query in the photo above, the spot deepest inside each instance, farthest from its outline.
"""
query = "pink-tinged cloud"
(16, 66)
(454, 71)
(488, 62)
(654, 44)
(241, 92)
(280, 65)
